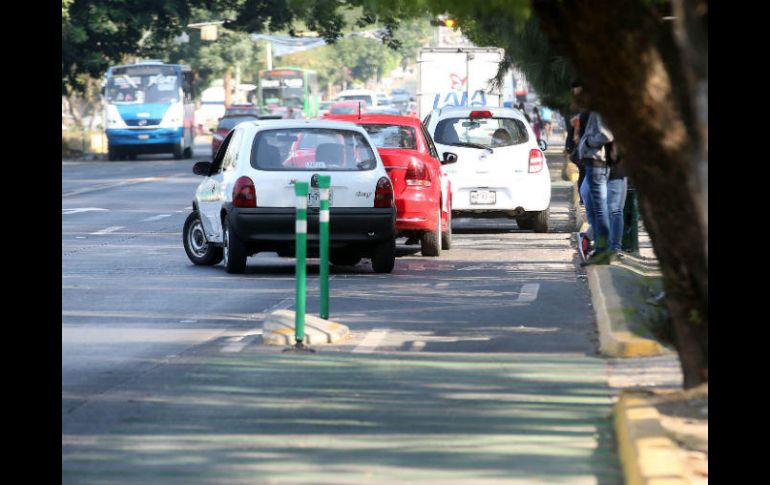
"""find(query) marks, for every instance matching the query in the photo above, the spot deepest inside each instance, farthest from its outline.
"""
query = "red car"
(422, 191)
(226, 124)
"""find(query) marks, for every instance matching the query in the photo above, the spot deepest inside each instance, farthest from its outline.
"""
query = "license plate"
(314, 198)
(143, 137)
(483, 196)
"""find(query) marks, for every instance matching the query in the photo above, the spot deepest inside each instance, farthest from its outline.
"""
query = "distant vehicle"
(290, 87)
(224, 127)
(365, 95)
(257, 206)
(383, 99)
(384, 110)
(149, 109)
(423, 193)
(451, 76)
(347, 108)
(399, 99)
(241, 110)
(500, 169)
(324, 107)
(411, 109)
(286, 112)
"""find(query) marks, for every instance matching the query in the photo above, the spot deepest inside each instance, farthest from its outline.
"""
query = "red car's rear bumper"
(416, 209)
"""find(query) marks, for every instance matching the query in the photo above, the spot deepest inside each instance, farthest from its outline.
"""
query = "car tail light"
(383, 196)
(417, 173)
(481, 114)
(244, 193)
(535, 161)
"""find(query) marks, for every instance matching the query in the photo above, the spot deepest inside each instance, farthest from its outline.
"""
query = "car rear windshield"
(316, 149)
(490, 132)
(231, 122)
(344, 110)
(392, 136)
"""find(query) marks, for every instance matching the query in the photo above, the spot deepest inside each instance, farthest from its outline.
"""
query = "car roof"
(304, 123)
(465, 111)
(377, 118)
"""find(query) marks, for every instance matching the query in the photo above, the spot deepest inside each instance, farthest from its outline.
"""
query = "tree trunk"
(228, 82)
(635, 75)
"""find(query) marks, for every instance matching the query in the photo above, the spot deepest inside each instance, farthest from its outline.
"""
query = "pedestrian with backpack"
(592, 153)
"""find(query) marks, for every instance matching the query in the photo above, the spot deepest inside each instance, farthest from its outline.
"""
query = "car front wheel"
(197, 248)
(234, 253)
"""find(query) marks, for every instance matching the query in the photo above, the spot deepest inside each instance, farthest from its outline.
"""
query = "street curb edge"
(620, 343)
(647, 454)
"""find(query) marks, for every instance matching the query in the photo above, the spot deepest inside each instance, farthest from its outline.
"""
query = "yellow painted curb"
(647, 454)
(611, 343)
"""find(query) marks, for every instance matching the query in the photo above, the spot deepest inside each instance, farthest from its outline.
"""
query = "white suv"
(500, 167)
(246, 204)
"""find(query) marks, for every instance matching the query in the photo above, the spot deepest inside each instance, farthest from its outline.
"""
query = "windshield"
(489, 132)
(392, 136)
(316, 149)
(286, 91)
(156, 84)
(231, 122)
(357, 97)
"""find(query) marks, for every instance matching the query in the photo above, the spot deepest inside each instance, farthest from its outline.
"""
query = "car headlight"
(114, 120)
(174, 116)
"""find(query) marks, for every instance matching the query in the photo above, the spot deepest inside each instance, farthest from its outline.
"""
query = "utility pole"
(237, 81)
(228, 82)
(269, 54)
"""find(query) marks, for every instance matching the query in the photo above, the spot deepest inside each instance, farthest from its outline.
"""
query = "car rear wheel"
(384, 256)
(525, 222)
(179, 150)
(234, 253)
(112, 154)
(197, 248)
(446, 236)
(430, 241)
(541, 220)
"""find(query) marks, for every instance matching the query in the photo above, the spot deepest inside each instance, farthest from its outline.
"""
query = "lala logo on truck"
(450, 98)
(479, 98)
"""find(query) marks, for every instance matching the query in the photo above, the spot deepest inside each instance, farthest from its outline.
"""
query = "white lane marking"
(417, 346)
(156, 218)
(528, 293)
(108, 230)
(81, 209)
(370, 342)
(94, 188)
(239, 343)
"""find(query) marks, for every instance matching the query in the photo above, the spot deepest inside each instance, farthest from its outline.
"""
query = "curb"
(647, 454)
(616, 343)
(278, 329)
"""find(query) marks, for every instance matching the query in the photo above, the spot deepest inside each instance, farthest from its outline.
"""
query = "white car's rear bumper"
(530, 193)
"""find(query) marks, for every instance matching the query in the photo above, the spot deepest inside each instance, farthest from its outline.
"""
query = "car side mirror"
(449, 158)
(542, 144)
(202, 168)
(212, 130)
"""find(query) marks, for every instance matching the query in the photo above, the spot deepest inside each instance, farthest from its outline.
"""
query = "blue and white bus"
(149, 109)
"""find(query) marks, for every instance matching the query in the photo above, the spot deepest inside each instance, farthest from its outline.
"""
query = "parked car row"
(392, 176)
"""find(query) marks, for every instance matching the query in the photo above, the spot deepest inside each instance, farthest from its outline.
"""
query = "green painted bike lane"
(261, 416)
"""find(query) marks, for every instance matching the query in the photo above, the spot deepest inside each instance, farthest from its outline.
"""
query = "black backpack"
(611, 153)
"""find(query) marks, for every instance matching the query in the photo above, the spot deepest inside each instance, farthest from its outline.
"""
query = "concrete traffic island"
(278, 329)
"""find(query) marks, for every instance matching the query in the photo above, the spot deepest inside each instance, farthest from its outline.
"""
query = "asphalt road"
(479, 366)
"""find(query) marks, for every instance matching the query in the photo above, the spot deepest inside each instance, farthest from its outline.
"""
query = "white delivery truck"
(457, 76)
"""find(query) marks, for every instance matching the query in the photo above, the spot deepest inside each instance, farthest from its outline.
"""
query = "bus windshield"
(283, 88)
(143, 84)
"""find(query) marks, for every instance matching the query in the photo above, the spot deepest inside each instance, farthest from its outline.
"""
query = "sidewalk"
(661, 431)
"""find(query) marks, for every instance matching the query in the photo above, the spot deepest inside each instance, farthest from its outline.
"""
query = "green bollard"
(301, 191)
(630, 241)
(324, 183)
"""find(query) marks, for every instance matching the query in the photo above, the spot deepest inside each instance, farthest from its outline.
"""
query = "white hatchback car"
(500, 167)
(246, 204)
